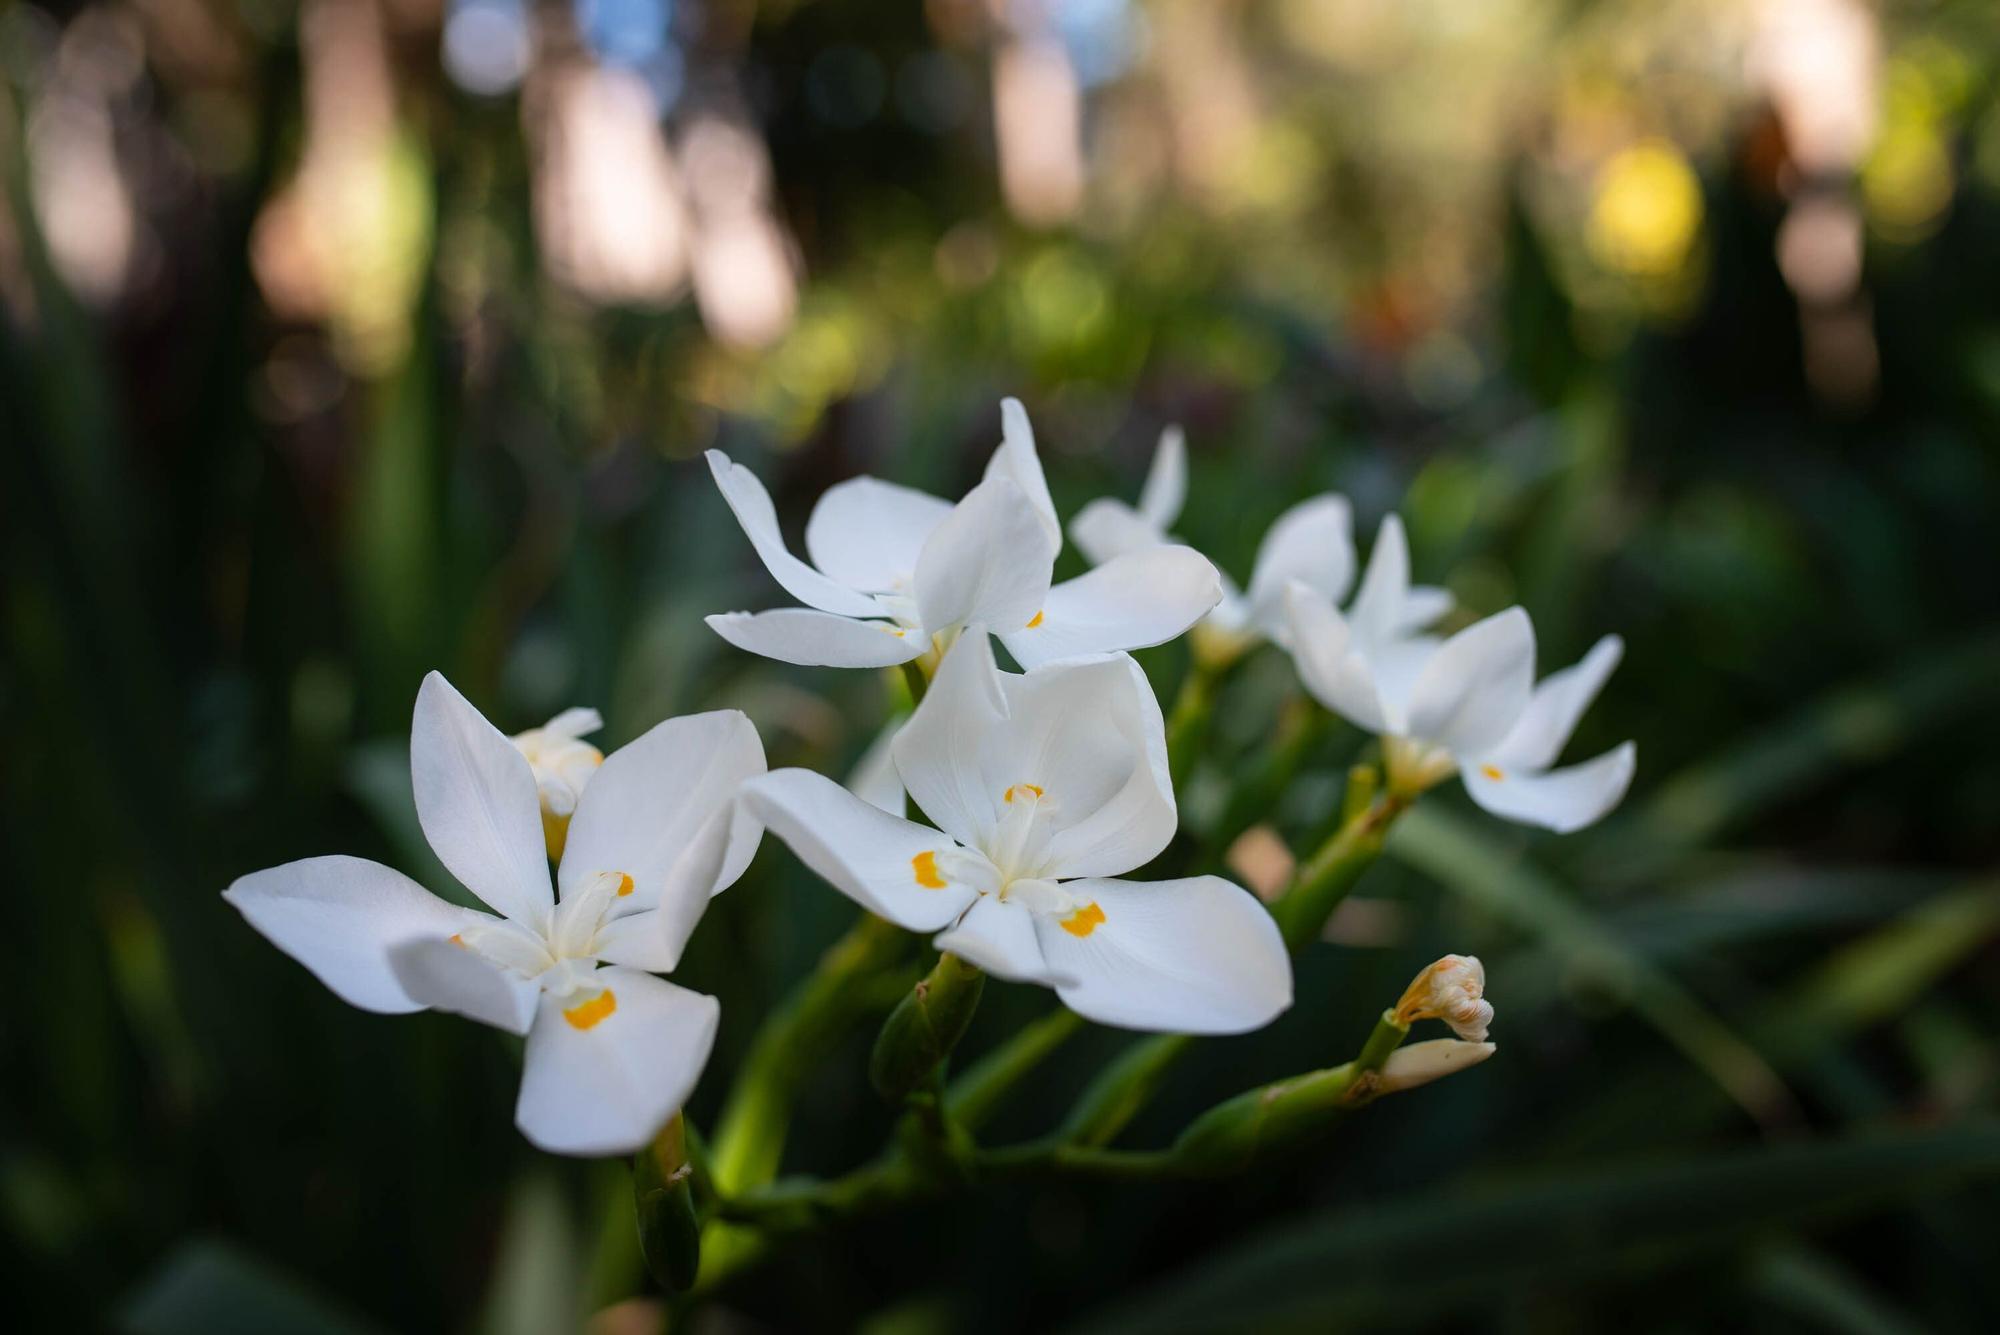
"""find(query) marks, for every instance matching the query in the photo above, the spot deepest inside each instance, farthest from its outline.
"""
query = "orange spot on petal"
(585, 1014)
(1036, 622)
(1492, 772)
(624, 884)
(1084, 921)
(1034, 788)
(925, 866)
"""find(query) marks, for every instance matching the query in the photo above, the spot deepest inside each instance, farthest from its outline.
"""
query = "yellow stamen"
(1034, 788)
(1036, 622)
(1084, 921)
(1492, 772)
(624, 884)
(925, 866)
(895, 631)
(585, 1014)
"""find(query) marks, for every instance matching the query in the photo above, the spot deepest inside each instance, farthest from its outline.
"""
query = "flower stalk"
(925, 1026)
(663, 1197)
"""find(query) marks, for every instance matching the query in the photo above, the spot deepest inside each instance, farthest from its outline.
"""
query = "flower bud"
(925, 1026)
(662, 1193)
(1421, 1063)
(1452, 990)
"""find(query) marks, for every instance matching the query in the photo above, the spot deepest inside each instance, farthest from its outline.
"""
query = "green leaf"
(211, 1288)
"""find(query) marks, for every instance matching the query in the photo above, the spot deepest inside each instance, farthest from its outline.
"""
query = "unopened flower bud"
(1420, 1063)
(925, 1026)
(1452, 990)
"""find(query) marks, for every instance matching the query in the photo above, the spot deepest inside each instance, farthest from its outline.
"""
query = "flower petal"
(1165, 492)
(1194, 956)
(1129, 602)
(1329, 665)
(1016, 459)
(340, 917)
(606, 1083)
(653, 797)
(578, 721)
(938, 751)
(1423, 604)
(1313, 543)
(1563, 800)
(1000, 938)
(1106, 528)
(477, 803)
(818, 639)
(446, 976)
(866, 533)
(1088, 732)
(989, 561)
(1471, 692)
(1556, 706)
(759, 518)
(874, 779)
(1378, 612)
(886, 865)
(652, 936)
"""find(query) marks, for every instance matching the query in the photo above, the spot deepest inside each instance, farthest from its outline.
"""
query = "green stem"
(975, 1094)
(1115, 1097)
(914, 678)
(1301, 728)
(1187, 724)
(925, 1026)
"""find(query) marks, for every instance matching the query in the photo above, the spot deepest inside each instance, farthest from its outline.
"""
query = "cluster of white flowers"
(1044, 786)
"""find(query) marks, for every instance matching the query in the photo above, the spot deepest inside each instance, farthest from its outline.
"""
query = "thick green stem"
(663, 1198)
(925, 1026)
(1325, 879)
(1187, 725)
(976, 1093)
(1122, 1089)
(1301, 728)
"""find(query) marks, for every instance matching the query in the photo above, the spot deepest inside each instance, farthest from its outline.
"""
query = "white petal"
(580, 721)
(818, 639)
(1194, 956)
(1377, 613)
(1472, 690)
(1106, 528)
(478, 805)
(1129, 602)
(875, 780)
(938, 751)
(340, 917)
(1089, 734)
(868, 855)
(989, 561)
(1165, 492)
(649, 937)
(1563, 800)
(609, 1088)
(1422, 606)
(651, 798)
(759, 518)
(1555, 707)
(446, 976)
(1016, 459)
(1313, 543)
(1332, 669)
(866, 533)
(1000, 938)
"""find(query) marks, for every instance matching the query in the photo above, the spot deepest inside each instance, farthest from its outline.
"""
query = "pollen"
(1084, 921)
(586, 1014)
(624, 884)
(1493, 772)
(1034, 789)
(1036, 622)
(925, 866)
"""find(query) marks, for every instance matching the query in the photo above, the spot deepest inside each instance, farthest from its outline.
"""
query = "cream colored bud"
(1452, 990)
(1420, 1063)
(562, 764)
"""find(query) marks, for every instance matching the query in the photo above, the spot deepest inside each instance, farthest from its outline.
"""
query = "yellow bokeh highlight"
(1645, 211)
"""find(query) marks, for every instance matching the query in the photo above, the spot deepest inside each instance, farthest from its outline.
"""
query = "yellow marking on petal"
(1036, 622)
(624, 884)
(456, 939)
(1492, 772)
(1084, 921)
(588, 1013)
(1034, 788)
(895, 631)
(555, 833)
(925, 866)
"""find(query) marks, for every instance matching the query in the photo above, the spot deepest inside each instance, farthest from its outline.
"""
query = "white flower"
(1416, 1064)
(1453, 990)
(896, 572)
(612, 1050)
(1312, 542)
(1042, 785)
(1467, 704)
(562, 763)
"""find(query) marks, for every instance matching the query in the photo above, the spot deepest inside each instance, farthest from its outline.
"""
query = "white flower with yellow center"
(896, 572)
(1043, 786)
(1467, 704)
(562, 763)
(1312, 542)
(612, 1050)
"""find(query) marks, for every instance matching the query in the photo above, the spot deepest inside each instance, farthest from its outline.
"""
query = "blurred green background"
(349, 339)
